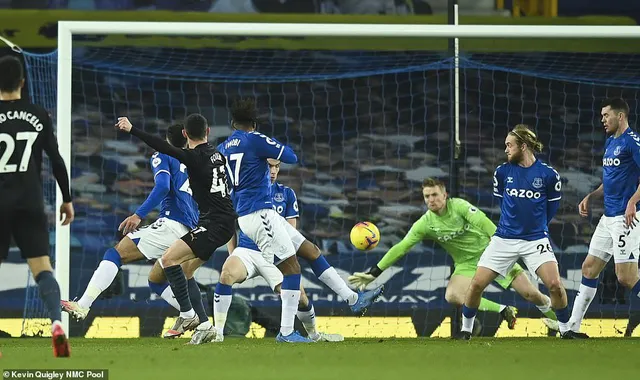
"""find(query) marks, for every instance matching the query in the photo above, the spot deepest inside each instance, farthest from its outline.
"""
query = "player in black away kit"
(216, 226)
(25, 131)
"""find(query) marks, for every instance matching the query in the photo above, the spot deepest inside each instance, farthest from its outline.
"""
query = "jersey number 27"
(10, 146)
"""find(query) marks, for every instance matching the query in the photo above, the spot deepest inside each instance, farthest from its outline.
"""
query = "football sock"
(50, 294)
(487, 305)
(332, 279)
(468, 317)
(586, 293)
(307, 315)
(563, 319)
(290, 295)
(635, 290)
(178, 283)
(546, 309)
(164, 291)
(196, 300)
(221, 304)
(102, 277)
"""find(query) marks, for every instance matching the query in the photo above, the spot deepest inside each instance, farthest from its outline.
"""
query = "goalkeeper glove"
(360, 280)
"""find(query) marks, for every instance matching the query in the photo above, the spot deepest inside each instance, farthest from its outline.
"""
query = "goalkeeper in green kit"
(464, 232)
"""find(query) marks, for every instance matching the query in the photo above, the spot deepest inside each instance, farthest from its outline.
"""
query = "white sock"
(221, 306)
(331, 278)
(168, 296)
(580, 306)
(290, 299)
(101, 279)
(204, 325)
(467, 323)
(544, 309)
(188, 314)
(308, 319)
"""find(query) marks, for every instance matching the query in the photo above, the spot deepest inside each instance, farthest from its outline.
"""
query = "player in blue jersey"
(247, 152)
(530, 193)
(245, 262)
(178, 215)
(618, 232)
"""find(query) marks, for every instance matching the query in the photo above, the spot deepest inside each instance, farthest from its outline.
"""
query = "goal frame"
(67, 29)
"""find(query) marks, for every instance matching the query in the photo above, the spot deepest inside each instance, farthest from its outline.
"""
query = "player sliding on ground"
(530, 193)
(246, 261)
(464, 231)
(27, 130)
(618, 232)
(178, 215)
(216, 220)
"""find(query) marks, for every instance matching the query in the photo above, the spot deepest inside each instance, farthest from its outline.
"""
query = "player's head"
(435, 194)
(615, 112)
(175, 136)
(196, 127)
(274, 169)
(11, 74)
(521, 141)
(244, 115)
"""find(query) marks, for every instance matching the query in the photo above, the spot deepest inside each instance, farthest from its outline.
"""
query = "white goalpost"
(67, 29)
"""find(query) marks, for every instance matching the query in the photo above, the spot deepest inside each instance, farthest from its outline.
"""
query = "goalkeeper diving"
(464, 231)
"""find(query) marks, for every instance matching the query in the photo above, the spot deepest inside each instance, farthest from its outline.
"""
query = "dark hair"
(175, 136)
(11, 73)
(244, 112)
(524, 135)
(196, 126)
(433, 182)
(617, 104)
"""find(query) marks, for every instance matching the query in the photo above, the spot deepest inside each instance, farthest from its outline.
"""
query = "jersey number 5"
(7, 139)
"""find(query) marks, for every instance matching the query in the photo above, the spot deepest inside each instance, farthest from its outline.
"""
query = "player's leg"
(600, 249)
(459, 283)
(266, 228)
(498, 258)
(30, 231)
(625, 254)
(359, 302)
(195, 295)
(236, 268)
(307, 315)
(159, 285)
(531, 293)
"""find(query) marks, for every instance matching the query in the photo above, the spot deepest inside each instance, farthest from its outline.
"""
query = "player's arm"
(413, 237)
(630, 213)
(554, 194)
(583, 206)
(291, 212)
(155, 142)
(267, 147)
(161, 187)
(474, 216)
(59, 171)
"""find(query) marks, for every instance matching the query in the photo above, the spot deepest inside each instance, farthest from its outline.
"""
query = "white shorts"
(156, 238)
(270, 233)
(612, 238)
(256, 265)
(501, 254)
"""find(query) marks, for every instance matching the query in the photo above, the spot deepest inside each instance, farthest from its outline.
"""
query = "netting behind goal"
(368, 128)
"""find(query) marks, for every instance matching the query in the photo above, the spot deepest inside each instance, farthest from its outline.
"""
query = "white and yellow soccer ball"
(365, 236)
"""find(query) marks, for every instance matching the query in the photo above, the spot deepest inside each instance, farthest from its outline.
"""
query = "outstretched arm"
(153, 141)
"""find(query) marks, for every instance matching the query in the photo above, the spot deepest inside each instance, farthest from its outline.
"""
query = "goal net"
(368, 127)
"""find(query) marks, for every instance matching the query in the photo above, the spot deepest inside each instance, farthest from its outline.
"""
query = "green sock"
(486, 305)
(551, 315)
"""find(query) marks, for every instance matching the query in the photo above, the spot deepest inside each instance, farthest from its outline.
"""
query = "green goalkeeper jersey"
(463, 231)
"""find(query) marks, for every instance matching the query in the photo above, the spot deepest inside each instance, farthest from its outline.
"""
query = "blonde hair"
(434, 182)
(524, 135)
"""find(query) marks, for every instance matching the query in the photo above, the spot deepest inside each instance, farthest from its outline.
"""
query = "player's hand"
(130, 224)
(360, 280)
(630, 219)
(66, 213)
(124, 124)
(583, 207)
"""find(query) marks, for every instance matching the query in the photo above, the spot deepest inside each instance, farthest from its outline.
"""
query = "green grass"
(150, 358)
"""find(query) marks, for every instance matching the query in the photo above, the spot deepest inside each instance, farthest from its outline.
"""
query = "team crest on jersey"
(617, 151)
(278, 197)
(537, 182)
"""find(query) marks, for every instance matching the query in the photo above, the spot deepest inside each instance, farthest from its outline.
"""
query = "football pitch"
(482, 358)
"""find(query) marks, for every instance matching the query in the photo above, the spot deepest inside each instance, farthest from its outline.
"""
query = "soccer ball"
(365, 236)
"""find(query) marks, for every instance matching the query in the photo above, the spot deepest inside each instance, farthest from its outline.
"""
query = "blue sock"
(158, 288)
(319, 265)
(636, 289)
(50, 294)
(112, 255)
(223, 290)
(562, 314)
(469, 312)
(291, 281)
(590, 282)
